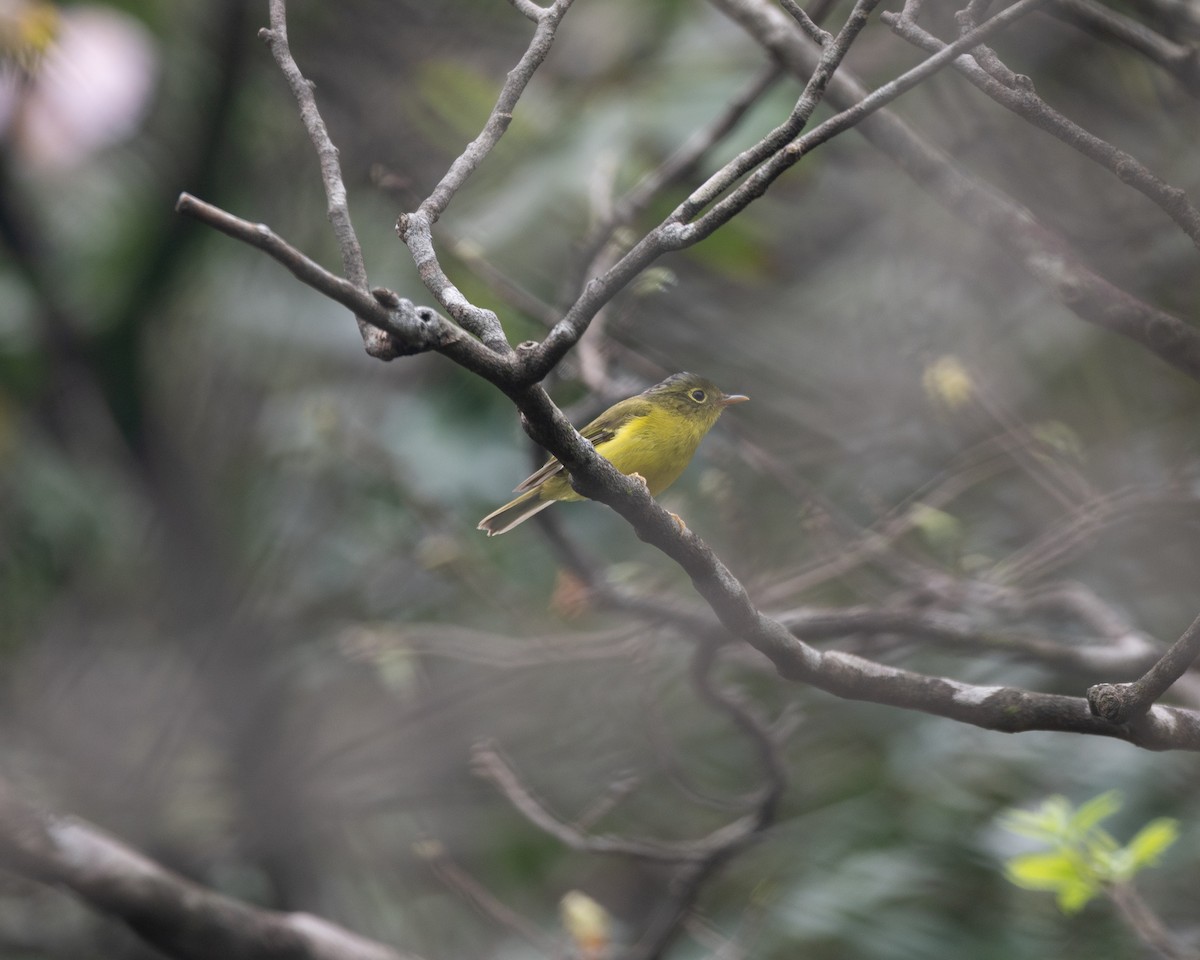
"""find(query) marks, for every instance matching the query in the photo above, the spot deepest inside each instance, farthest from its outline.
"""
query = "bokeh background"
(246, 622)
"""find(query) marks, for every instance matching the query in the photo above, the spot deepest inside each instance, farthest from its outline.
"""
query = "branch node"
(529, 10)
(1107, 701)
(806, 23)
(388, 298)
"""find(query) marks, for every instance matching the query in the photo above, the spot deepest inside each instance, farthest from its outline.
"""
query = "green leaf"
(1074, 897)
(1043, 871)
(1084, 857)
(1045, 823)
(1058, 873)
(1027, 823)
(1151, 841)
(1097, 845)
(1098, 808)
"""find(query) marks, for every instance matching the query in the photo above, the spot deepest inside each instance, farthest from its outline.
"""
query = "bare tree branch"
(1128, 653)
(1146, 923)
(1022, 100)
(377, 343)
(175, 915)
(836, 672)
(1121, 703)
(528, 9)
(494, 649)
(1044, 254)
(1064, 540)
(490, 765)
(675, 167)
(598, 251)
(1178, 59)
(842, 674)
(548, 20)
(457, 879)
(693, 862)
(807, 23)
(1006, 709)
(415, 228)
(668, 235)
(1085, 292)
(756, 185)
(413, 329)
(996, 708)
(669, 918)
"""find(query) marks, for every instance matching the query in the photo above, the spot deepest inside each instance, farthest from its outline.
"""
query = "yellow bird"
(652, 435)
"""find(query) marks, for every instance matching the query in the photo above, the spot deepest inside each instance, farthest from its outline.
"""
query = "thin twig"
(614, 793)
(997, 708)
(1022, 100)
(1044, 254)
(806, 23)
(758, 182)
(413, 329)
(529, 9)
(865, 545)
(503, 286)
(415, 228)
(1121, 703)
(434, 853)
(831, 57)
(375, 340)
(839, 673)
(671, 765)
(672, 911)
(598, 252)
(1178, 59)
(1129, 653)
(668, 235)
(518, 78)
(1146, 924)
(753, 727)
(1073, 599)
(488, 763)
(678, 165)
(1064, 540)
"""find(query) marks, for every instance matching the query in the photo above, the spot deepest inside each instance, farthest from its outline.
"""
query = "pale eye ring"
(697, 395)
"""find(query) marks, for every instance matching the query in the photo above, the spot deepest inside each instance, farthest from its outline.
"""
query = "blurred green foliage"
(246, 621)
(1084, 858)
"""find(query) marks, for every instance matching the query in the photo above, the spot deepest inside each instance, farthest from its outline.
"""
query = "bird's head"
(693, 397)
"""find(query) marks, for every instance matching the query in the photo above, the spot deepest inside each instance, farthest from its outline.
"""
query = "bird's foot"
(640, 479)
(679, 520)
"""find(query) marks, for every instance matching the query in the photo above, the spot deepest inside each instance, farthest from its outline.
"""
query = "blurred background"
(247, 623)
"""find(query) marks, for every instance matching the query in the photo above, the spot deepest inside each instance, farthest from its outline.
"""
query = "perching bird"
(653, 435)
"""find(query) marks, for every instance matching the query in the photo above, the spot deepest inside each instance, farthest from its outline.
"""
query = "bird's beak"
(732, 398)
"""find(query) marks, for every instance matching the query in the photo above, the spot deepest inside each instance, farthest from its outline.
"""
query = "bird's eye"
(698, 396)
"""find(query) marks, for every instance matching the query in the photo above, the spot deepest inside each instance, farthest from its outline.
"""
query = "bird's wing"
(599, 431)
(543, 473)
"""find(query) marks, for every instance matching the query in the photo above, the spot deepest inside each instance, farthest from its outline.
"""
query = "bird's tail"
(514, 512)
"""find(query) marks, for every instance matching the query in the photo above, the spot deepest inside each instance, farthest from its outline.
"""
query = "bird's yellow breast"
(657, 445)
